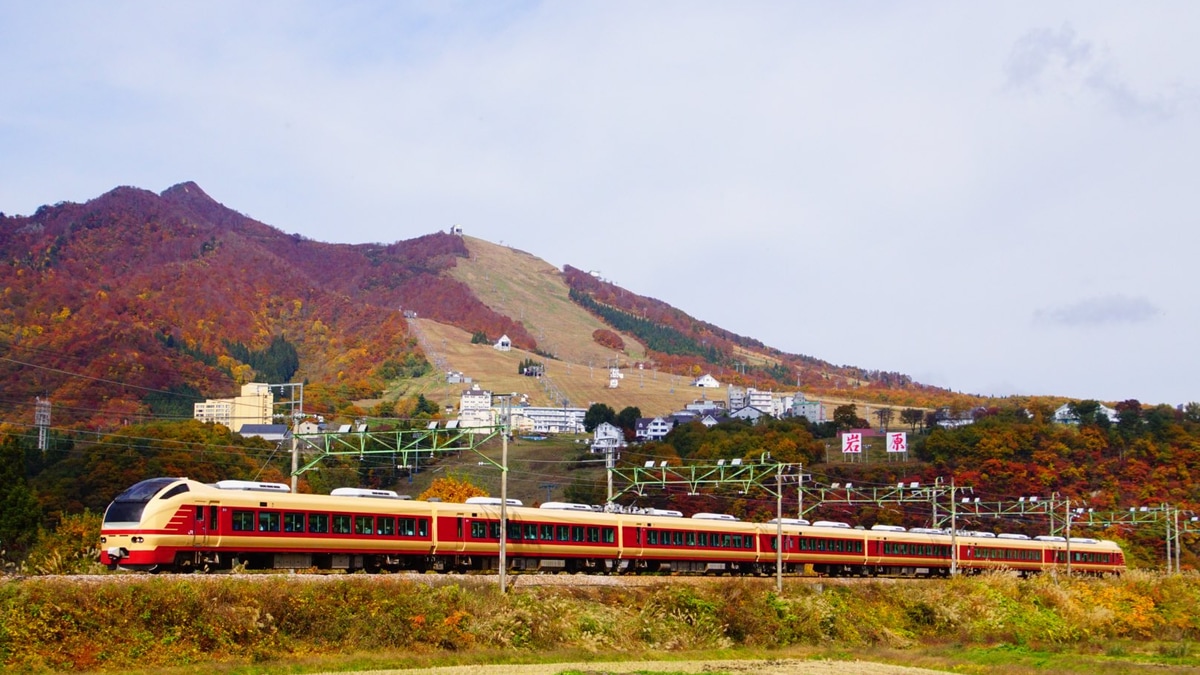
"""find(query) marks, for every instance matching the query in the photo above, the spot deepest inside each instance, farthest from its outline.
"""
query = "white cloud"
(1047, 60)
(1098, 311)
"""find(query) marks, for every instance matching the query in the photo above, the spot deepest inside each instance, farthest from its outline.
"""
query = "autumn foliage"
(607, 338)
(453, 489)
(139, 292)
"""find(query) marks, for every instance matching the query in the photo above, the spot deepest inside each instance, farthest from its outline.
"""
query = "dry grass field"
(582, 384)
(532, 291)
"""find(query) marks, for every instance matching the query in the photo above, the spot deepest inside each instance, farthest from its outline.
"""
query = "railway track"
(514, 580)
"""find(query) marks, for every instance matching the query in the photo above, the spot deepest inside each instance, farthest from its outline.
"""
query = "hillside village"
(252, 412)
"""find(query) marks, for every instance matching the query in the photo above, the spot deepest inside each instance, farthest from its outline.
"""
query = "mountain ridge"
(155, 287)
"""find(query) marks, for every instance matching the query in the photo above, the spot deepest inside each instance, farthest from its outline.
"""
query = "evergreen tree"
(628, 417)
(19, 510)
(597, 414)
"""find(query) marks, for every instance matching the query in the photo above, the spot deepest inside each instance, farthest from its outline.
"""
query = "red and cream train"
(176, 524)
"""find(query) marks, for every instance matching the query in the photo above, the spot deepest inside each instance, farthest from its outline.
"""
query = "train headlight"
(137, 540)
(103, 540)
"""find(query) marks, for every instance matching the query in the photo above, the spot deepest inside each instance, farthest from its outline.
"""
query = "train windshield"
(128, 506)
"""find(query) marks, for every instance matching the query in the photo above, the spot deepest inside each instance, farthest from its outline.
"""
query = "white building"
(255, 406)
(735, 398)
(755, 398)
(813, 411)
(652, 428)
(504, 344)
(475, 408)
(762, 400)
(550, 420)
(704, 405)
(607, 437)
(706, 381)
(781, 404)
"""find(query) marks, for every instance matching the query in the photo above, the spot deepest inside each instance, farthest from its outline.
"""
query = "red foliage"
(97, 289)
(607, 338)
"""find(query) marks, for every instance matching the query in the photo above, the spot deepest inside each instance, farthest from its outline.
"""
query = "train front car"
(141, 530)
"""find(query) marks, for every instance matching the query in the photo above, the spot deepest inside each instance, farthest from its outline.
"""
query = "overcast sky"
(998, 198)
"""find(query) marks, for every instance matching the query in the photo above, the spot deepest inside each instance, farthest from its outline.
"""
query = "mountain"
(130, 306)
(110, 303)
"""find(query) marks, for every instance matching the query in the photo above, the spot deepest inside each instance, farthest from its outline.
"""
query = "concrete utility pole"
(610, 463)
(504, 428)
(779, 529)
(1068, 502)
(953, 530)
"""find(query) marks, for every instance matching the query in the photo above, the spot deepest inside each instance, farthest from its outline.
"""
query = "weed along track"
(311, 622)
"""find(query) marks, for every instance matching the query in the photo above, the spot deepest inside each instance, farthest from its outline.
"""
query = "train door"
(206, 531)
(460, 532)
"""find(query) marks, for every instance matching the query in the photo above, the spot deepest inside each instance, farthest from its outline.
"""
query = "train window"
(691, 538)
(704, 539)
(514, 531)
(243, 521)
(386, 525)
(478, 529)
(652, 537)
(593, 535)
(199, 514)
(268, 521)
(531, 532)
(563, 533)
(494, 530)
(748, 542)
(364, 524)
(610, 535)
(726, 541)
(576, 533)
(177, 490)
(341, 524)
(293, 522)
(547, 533)
(423, 528)
(677, 538)
(407, 527)
(318, 523)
